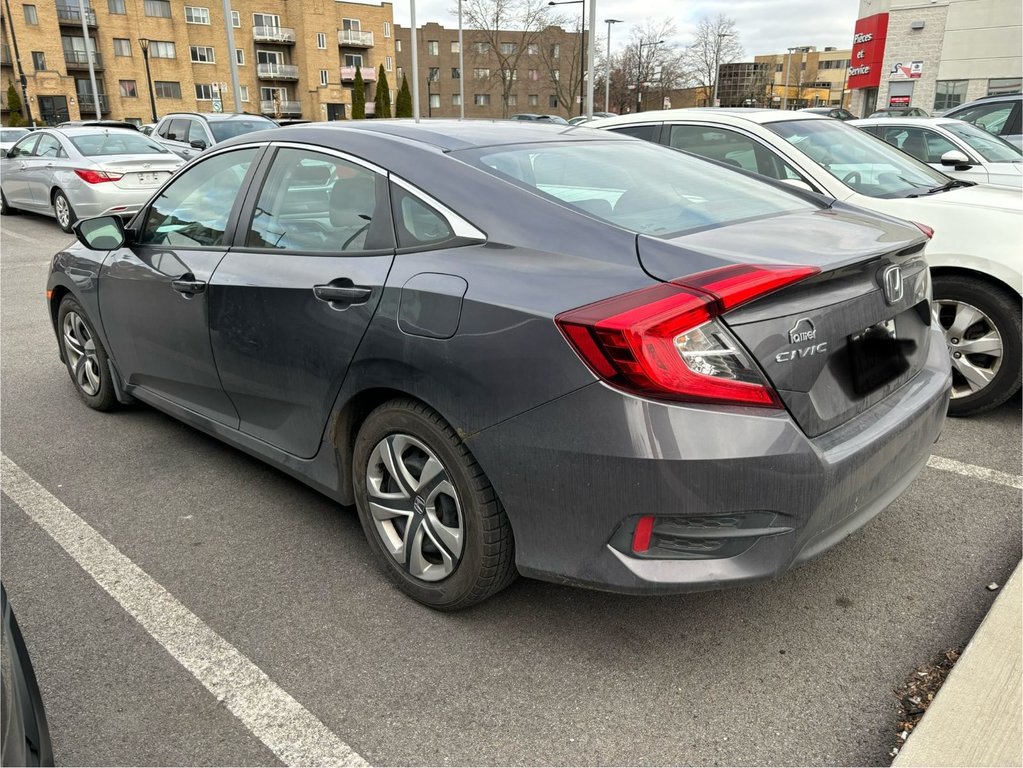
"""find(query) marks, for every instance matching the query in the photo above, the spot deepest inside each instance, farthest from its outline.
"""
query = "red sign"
(868, 51)
(898, 101)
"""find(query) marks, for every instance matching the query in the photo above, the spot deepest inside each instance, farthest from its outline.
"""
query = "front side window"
(990, 117)
(636, 185)
(49, 147)
(991, 148)
(316, 202)
(193, 211)
(25, 147)
(862, 162)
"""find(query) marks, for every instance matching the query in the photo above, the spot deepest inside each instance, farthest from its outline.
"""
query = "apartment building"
(295, 59)
(806, 77)
(506, 72)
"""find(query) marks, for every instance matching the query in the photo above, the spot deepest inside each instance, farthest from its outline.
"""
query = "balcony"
(289, 108)
(276, 72)
(87, 105)
(280, 35)
(73, 16)
(353, 38)
(369, 74)
(80, 60)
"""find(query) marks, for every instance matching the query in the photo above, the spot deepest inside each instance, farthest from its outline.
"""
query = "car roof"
(911, 121)
(217, 116)
(91, 130)
(445, 135)
(728, 115)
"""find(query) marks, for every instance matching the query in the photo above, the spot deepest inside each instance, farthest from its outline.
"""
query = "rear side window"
(730, 148)
(197, 133)
(416, 222)
(645, 132)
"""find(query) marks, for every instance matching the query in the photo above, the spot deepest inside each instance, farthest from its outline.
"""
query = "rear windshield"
(638, 186)
(228, 129)
(116, 142)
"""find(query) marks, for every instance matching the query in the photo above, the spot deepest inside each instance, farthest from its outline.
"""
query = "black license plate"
(878, 356)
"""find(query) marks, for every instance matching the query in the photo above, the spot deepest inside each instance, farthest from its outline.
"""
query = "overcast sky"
(765, 26)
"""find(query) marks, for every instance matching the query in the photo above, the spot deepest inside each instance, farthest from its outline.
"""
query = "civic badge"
(891, 283)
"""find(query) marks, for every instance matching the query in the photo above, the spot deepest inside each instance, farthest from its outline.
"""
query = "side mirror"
(198, 144)
(956, 158)
(12, 152)
(100, 233)
(798, 184)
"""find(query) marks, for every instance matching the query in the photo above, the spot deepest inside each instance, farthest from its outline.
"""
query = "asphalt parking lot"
(794, 672)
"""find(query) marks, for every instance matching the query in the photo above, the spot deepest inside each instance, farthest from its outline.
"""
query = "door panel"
(290, 304)
(17, 171)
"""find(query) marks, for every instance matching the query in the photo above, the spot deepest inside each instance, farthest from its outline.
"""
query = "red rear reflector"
(49, 295)
(96, 177)
(641, 538)
(925, 229)
(662, 341)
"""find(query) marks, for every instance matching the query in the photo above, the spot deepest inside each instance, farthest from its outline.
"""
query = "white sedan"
(974, 252)
(959, 149)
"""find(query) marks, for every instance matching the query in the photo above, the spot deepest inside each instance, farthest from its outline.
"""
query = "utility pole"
(461, 67)
(235, 84)
(415, 62)
(89, 51)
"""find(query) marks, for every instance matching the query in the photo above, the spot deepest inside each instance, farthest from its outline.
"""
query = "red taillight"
(929, 231)
(663, 342)
(96, 177)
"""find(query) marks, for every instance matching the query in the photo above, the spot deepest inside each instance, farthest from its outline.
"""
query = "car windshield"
(860, 161)
(228, 129)
(638, 186)
(8, 135)
(991, 148)
(116, 142)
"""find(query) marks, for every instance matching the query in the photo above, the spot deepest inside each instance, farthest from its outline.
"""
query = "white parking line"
(291, 732)
(972, 470)
(17, 236)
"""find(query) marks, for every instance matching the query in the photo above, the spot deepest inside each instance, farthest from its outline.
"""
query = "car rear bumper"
(576, 474)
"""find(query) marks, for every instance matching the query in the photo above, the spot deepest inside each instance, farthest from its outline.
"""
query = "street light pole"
(89, 52)
(582, 50)
(717, 73)
(461, 67)
(144, 45)
(639, 73)
(607, 69)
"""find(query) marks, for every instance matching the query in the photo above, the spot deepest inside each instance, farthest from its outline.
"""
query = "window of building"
(456, 73)
(38, 60)
(399, 73)
(481, 73)
(779, 67)
(167, 89)
(239, 56)
(481, 48)
(324, 74)
(161, 8)
(387, 29)
(513, 100)
(351, 25)
(31, 17)
(116, 6)
(509, 49)
(122, 46)
(455, 47)
(481, 99)
(434, 101)
(432, 47)
(353, 59)
(533, 99)
(203, 92)
(266, 20)
(196, 15)
(202, 54)
(949, 93)
(388, 63)
(555, 51)
(236, 19)
(997, 86)
(129, 89)
(556, 74)
(245, 92)
(456, 100)
(533, 49)
(321, 40)
(510, 75)
(397, 46)
(533, 74)
(433, 75)
(552, 102)
(162, 49)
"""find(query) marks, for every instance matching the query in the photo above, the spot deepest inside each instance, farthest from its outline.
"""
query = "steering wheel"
(853, 177)
(358, 232)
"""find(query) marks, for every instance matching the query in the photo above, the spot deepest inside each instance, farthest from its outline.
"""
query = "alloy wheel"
(63, 211)
(81, 351)
(974, 345)
(415, 507)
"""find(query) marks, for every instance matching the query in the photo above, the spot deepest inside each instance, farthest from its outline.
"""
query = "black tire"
(65, 222)
(85, 357)
(1000, 314)
(486, 563)
(5, 209)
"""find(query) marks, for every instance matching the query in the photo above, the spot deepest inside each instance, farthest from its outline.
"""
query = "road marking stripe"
(16, 236)
(291, 732)
(972, 470)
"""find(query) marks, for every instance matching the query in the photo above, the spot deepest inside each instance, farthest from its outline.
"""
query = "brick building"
(505, 72)
(294, 59)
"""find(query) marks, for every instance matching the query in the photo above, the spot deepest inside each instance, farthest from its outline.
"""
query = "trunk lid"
(835, 344)
(141, 171)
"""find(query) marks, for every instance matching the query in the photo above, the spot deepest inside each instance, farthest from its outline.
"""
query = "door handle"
(342, 294)
(188, 285)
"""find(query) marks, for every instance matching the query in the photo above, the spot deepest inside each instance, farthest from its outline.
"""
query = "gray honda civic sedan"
(523, 349)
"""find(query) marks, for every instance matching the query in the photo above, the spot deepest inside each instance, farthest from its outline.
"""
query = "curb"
(977, 717)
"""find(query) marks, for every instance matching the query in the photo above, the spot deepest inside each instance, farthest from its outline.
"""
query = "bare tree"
(560, 56)
(716, 42)
(650, 67)
(502, 31)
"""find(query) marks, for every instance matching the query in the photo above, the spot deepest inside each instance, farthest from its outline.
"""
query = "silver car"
(73, 173)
